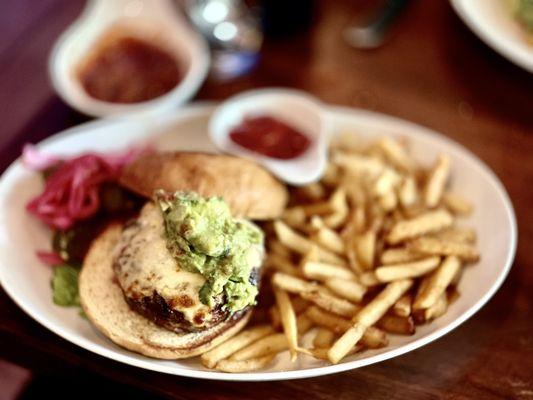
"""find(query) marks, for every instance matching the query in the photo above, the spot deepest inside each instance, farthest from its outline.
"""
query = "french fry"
(330, 240)
(438, 309)
(316, 223)
(355, 192)
(327, 320)
(313, 191)
(433, 312)
(319, 208)
(399, 255)
(386, 182)
(437, 181)
(346, 342)
(331, 175)
(294, 216)
(299, 304)
(466, 235)
(368, 316)
(303, 323)
(456, 204)
(456, 278)
(351, 253)
(374, 310)
(438, 282)
(360, 165)
(429, 246)
(374, 338)
(347, 289)
(340, 209)
(323, 338)
(388, 202)
(275, 317)
(388, 273)
(395, 154)
(273, 343)
(359, 219)
(282, 264)
(402, 308)
(366, 248)
(247, 365)
(369, 279)
(396, 324)
(428, 222)
(292, 284)
(241, 340)
(310, 256)
(321, 271)
(288, 321)
(331, 303)
(302, 245)
(279, 249)
(321, 353)
(452, 295)
(408, 193)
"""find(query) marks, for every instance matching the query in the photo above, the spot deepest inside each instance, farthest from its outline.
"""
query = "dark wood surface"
(433, 71)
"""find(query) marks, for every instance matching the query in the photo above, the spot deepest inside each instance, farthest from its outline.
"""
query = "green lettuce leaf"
(65, 286)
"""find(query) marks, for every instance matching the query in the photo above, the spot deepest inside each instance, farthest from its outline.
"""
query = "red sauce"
(270, 137)
(129, 70)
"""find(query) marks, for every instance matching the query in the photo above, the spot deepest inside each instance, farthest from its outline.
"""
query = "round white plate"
(27, 281)
(494, 23)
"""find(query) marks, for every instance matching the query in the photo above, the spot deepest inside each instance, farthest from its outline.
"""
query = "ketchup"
(270, 137)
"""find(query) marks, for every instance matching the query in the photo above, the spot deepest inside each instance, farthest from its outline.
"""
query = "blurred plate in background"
(493, 21)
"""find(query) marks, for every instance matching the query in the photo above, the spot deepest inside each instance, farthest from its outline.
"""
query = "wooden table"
(433, 71)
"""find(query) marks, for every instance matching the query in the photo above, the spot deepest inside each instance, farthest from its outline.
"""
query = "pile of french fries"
(372, 249)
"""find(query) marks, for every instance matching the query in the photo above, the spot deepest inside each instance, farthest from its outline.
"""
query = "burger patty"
(156, 309)
(153, 283)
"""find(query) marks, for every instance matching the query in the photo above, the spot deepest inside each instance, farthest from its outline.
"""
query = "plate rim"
(497, 42)
(200, 108)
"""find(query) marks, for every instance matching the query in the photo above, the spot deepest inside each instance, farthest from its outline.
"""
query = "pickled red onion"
(50, 258)
(71, 192)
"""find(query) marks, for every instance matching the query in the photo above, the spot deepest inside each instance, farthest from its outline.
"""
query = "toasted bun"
(250, 190)
(103, 302)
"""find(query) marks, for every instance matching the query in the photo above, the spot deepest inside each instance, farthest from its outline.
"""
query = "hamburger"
(182, 276)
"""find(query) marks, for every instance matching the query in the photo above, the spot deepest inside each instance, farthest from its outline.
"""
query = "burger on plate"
(184, 275)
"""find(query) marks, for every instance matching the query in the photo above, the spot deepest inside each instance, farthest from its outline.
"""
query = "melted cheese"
(145, 265)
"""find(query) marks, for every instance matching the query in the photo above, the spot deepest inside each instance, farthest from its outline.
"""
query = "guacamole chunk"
(204, 238)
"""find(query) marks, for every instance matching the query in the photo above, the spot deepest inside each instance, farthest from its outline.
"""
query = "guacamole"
(203, 237)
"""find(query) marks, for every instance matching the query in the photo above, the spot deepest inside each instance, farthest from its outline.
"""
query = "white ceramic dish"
(27, 281)
(493, 22)
(296, 108)
(156, 21)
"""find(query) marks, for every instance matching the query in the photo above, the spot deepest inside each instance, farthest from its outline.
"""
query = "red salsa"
(129, 70)
(270, 137)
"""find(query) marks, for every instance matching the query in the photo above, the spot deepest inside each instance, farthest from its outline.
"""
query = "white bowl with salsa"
(128, 57)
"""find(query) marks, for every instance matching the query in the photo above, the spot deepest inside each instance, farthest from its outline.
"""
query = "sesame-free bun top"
(250, 191)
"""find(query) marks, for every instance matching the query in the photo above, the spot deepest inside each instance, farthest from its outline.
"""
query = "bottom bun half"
(104, 304)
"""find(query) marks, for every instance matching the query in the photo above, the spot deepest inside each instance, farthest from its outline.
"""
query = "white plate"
(494, 23)
(27, 281)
